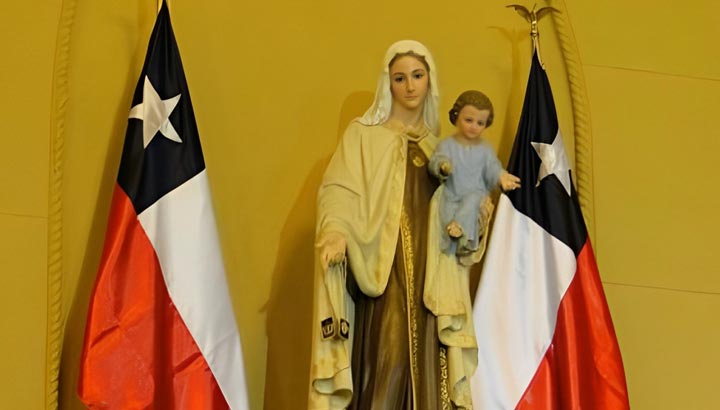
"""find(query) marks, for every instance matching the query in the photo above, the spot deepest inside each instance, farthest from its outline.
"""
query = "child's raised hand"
(508, 181)
(445, 168)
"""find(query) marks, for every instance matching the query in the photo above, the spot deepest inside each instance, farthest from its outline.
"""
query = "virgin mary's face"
(409, 82)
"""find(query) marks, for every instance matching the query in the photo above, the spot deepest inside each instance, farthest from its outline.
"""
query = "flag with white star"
(161, 331)
(545, 335)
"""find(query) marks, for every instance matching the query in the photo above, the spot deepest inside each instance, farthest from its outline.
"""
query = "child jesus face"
(471, 122)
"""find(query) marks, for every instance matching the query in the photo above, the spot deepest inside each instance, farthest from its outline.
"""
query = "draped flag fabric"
(161, 332)
(545, 335)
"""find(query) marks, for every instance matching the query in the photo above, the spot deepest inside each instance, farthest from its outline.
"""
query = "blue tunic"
(475, 172)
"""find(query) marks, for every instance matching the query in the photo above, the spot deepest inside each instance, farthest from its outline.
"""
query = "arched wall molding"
(55, 316)
(581, 117)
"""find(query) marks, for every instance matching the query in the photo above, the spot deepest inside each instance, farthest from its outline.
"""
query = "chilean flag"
(544, 331)
(161, 333)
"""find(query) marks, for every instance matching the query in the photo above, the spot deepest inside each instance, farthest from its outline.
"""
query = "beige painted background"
(273, 84)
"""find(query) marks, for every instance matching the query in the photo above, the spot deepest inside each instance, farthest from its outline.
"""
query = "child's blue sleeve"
(438, 157)
(493, 169)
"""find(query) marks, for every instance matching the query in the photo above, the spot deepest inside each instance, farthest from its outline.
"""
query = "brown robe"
(375, 192)
(396, 360)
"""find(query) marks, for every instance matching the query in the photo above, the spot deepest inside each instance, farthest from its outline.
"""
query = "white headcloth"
(379, 111)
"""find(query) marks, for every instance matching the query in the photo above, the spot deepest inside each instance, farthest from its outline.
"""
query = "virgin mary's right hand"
(332, 249)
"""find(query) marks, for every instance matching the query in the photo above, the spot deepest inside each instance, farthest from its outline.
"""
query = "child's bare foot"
(454, 230)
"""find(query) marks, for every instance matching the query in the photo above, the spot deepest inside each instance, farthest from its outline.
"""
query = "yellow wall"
(274, 83)
(653, 81)
(27, 41)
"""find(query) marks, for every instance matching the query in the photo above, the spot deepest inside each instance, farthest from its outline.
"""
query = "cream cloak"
(361, 197)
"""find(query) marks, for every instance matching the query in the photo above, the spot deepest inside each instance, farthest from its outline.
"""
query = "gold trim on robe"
(361, 197)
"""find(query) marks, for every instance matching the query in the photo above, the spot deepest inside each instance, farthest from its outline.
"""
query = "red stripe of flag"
(582, 369)
(138, 352)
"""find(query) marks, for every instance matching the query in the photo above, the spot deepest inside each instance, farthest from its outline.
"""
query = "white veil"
(379, 111)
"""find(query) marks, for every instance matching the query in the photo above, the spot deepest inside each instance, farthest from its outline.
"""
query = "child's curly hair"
(477, 100)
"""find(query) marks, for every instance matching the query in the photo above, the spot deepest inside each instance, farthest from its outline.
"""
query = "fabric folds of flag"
(161, 332)
(544, 331)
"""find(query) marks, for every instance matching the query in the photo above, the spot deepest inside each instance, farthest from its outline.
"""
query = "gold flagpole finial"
(532, 16)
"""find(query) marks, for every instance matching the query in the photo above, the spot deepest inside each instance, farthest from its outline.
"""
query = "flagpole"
(532, 16)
